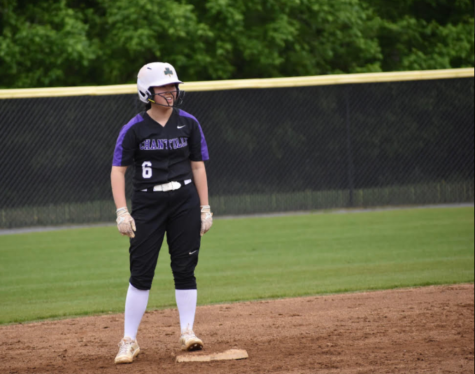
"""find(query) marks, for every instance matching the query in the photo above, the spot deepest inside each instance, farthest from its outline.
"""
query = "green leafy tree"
(42, 44)
(95, 42)
(261, 38)
(425, 34)
(134, 33)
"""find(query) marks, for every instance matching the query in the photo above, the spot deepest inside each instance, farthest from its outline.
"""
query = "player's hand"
(206, 219)
(125, 223)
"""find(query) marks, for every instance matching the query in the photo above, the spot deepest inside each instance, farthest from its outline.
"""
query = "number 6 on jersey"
(147, 170)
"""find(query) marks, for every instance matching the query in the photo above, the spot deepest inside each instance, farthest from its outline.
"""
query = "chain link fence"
(272, 150)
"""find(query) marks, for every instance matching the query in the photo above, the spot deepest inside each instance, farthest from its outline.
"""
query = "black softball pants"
(178, 214)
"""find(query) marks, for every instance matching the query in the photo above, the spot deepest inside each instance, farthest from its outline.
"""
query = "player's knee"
(141, 283)
(185, 282)
(184, 273)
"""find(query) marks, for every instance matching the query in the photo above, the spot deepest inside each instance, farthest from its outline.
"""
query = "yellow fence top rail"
(324, 80)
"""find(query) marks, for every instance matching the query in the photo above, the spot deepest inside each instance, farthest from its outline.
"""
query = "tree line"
(51, 43)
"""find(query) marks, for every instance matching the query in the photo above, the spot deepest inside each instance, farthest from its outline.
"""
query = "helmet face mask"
(177, 95)
(158, 74)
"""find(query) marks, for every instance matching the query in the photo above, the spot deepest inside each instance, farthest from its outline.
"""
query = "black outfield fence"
(272, 150)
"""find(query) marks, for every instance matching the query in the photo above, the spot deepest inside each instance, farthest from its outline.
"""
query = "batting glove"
(206, 219)
(125, 223)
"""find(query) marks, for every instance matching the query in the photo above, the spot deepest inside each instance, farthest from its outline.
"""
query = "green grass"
(85, 271)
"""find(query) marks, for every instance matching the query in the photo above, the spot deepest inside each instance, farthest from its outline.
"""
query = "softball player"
(168, 149)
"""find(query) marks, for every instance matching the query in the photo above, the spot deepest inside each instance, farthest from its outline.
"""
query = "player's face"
(165, 95)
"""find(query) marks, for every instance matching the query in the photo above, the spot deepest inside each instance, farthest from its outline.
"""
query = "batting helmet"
(157, 74)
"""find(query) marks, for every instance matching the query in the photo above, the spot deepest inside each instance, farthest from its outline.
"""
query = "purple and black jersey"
(161, 154)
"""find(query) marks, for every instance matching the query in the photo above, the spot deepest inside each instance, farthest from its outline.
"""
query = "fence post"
(351, 171)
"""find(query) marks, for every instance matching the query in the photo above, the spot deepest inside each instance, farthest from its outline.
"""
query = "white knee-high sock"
(186, 301)
(135, 306)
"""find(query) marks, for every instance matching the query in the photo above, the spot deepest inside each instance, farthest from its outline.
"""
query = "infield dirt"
(422, 330)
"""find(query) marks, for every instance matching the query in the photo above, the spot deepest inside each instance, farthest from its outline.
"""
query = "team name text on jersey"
(160, 144)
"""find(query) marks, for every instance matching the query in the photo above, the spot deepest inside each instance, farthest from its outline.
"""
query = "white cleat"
(128, 350)
(189, 342)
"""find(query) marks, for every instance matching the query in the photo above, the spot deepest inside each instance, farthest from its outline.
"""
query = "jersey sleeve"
(126, 143)
(124, 148)
(198, 145)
